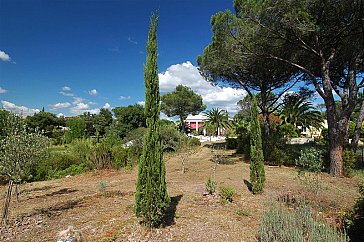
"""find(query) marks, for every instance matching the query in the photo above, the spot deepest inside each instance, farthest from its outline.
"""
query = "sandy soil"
(100, 203)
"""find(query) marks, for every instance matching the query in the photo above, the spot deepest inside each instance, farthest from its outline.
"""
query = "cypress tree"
(257, 174)
(151, 199)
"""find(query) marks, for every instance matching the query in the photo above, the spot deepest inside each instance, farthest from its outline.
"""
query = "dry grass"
(45, 208)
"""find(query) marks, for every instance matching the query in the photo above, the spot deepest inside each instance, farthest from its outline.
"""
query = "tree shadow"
(248, 185)
(168, 219)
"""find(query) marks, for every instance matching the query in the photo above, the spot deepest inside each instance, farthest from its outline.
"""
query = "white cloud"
(81, 108)
(142, 103)
(20, 110)
(5, 57)
(124, 98)
(67, 94)
(2, 90)
(106, 106)
(59, 105)
(66, 88)
(132, 41)
(93, 92)
(77, 100)
(188, 75)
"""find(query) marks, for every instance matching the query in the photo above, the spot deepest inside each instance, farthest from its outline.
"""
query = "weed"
(242, 213)
(101, 186)
(226, 194)
(210, 186)
(278, 224)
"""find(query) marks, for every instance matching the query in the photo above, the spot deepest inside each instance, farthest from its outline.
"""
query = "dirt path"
(100, 203)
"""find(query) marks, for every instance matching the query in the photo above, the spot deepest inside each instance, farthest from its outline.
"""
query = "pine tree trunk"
(358, 125)
(337, 132)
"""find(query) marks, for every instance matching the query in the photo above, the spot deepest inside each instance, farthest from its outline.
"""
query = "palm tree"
(218, 119)
(298, 111)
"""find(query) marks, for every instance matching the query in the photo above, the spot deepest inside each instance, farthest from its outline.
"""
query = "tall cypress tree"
(151, 199)
(257, 174)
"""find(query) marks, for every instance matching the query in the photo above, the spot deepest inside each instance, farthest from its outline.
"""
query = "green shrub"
(349, 159)
(226, 194)
(73, 170)
(192, 141)
(210, 186)
(171, 137)
(277, 157)
(242, 213)
(81, 149)
(119, 156)
(354, 219)
(310, 159)
(101, 156)
(57, 161)
(278, 224)
(231, 143)
(101, 186)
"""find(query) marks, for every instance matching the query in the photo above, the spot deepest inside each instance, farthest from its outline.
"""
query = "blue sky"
(76, 56)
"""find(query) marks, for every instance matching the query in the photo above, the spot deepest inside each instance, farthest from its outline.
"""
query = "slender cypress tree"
(151, 199)
(257, 174)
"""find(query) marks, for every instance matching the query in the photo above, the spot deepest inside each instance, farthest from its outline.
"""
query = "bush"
(310, 159)
(73, 170)
(81, 149)
(120, 156)
(210, 186)
(277, 157)
(57, 161)
(101, 156)
(171, 138)
(278, 224)
(226, 194)
(192, 141)
(231, 143)
(354, 219)
(349, 159)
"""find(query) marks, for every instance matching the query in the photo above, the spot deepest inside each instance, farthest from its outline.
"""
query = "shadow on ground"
(248, 185)
(171, 211)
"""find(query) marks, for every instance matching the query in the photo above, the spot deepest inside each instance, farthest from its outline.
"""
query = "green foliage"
(310, 159)
(350, 162)
(129, 118)
(354, 219)
(257, 173)
(288, 130)
(226, 194)
(9, 123)
(77, 127)
(298, 111)
(231, 143)
(217, 119)
(279, 224)
(210, 186)
(43, 122)
(151, 198)
(242, 213)
(58, 160)
(243, 139)
(182, 102)
(120, 156)
(72, 170)
(20, 151)
(102, 122)
(101, 156)
(101, 186)
(193, 141)
(171, 138)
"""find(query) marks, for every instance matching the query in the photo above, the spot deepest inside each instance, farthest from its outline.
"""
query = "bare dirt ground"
(100, 203)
